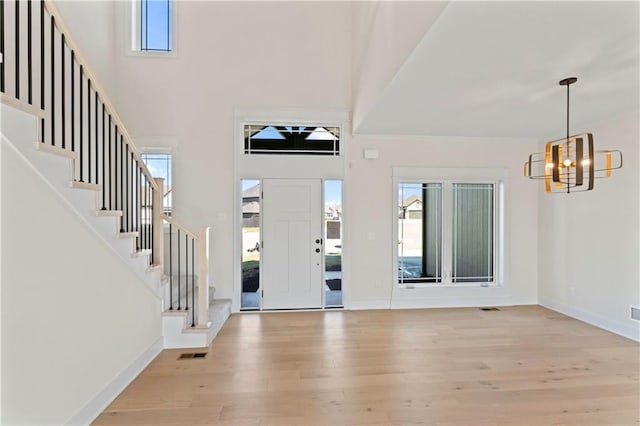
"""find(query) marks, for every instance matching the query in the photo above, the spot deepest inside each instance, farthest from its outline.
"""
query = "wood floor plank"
(522, 365)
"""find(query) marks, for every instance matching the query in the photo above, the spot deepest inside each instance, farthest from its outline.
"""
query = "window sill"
(417, 286)
(152, 54)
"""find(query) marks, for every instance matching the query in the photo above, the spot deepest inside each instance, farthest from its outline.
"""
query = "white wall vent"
(635, 312)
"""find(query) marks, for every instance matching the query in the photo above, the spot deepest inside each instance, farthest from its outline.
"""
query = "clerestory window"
(152, 26)
(265, 139)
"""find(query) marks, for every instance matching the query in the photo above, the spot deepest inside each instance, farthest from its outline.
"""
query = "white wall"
(92, 25)
(74, 317)
(1, 284)
(371, 214)
(384, 35)
(588, 242)
(264, 54)
(294, 56)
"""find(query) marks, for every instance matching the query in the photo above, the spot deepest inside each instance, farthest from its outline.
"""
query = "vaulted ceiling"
(491, 69)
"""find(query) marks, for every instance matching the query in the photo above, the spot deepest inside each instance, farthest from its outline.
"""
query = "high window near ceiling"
(152, 23)
(449, 232)
(264, 139)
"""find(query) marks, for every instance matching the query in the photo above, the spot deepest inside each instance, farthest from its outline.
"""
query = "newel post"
(157, 204)
(203, 278)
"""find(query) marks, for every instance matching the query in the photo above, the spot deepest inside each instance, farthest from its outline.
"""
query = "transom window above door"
(265, 139)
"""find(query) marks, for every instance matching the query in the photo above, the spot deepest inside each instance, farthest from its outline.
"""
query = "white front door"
(292, 244)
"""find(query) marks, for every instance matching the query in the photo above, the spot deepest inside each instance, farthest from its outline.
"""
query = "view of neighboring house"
(411, 208)
(251, 207)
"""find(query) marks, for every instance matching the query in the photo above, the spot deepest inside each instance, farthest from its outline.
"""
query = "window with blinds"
(472, 239)
(447, 233)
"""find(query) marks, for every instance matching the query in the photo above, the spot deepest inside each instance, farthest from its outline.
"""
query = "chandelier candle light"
(570, 164)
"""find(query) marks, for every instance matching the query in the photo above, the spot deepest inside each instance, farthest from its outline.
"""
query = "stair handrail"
(88, 71)
(183, 228)
(140, 185)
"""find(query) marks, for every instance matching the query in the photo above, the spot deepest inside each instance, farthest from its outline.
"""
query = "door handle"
(319, 241)
(317, 250)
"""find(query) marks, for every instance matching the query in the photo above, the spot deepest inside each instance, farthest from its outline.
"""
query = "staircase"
(59, 120)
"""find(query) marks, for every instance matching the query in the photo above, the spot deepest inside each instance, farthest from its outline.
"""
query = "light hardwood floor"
(516, 366)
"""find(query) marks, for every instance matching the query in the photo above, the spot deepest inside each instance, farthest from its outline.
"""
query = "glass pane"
(156, 25)
(250, 244)
(333, 243)
(420, 232)
(473, 232)
(159, 165)
(291, 140)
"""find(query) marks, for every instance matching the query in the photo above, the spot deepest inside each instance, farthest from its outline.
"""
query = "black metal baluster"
(170, 269)
(89, 130)
(17, 52)
(63, 93)
(2, 27)
(146, 211)
(138, 207)
(131, 193)
(95, 99)
(53, 84)
(186, 267)
(122, 218)
(193, 283)
(126, 187)
(151, 222)
(42, 88)
(115, 170)
(144, 221)
(109, 165)
(179, 262)
(81, 127)
(73, 101)
(143, 213)
(29, 54)
(153, 225)
(104, 145)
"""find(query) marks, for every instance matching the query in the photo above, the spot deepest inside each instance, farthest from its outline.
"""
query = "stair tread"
(85, 185)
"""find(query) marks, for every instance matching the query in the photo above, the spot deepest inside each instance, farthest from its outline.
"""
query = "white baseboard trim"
(626, 330)
(98, 403)
(470, 302)
(368, 304)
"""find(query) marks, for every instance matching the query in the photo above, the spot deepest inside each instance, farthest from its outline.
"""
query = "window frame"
(447, 177)
(146, 151)
(337, 151)
(133, 32)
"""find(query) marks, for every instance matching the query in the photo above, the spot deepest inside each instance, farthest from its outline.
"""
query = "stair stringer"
(19, 132)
